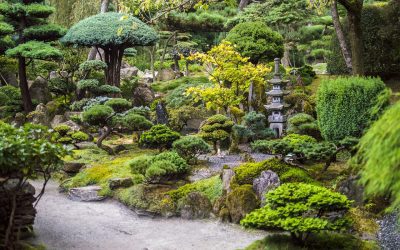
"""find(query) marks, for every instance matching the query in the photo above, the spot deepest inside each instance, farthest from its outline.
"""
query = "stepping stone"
(89, 193)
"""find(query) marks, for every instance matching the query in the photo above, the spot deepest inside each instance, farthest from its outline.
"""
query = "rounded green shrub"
(97, 115)
(80, 136)
(119, 104)
(190, 147)
(107, 90)
(92, 65)
(89, 85)
(296, 175)
(62, 129)
(136, 122)
(173, 157)
(140, 164)
(256, 41)
(159, 136)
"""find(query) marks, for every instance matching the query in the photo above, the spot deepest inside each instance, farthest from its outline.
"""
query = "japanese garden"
(199, 124)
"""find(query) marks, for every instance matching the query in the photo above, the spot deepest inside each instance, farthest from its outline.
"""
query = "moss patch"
(211, 188)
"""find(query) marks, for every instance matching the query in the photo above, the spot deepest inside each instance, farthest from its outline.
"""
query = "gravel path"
(65, 224)
(389, 232)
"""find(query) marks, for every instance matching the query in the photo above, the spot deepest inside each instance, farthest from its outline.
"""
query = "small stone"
(120, 183)
(72, 167)
(267, 181)
(89, 193)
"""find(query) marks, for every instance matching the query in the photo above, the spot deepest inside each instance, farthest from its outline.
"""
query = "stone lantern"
(276, 107)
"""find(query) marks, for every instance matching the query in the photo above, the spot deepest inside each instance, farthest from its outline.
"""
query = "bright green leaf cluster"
(159, 136)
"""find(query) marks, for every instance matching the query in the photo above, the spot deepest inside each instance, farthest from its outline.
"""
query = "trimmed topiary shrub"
(159, 136)
(303, 124)
(301, 209)
(216, 129)
(346, 106)
(80, 136)
(118, 104)
(256, 41)
(190, 147)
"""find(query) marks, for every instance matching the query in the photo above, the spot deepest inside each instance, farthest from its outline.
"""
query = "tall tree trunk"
(286, 56)
(113, 59)
(250, 97)
(340, 35)
(243, 4)
(23, 85)
(356, 41)
(103, 9)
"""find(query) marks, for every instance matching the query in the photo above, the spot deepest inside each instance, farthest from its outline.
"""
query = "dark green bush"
(92, 65)
(107, 90)
(303, 124)
(190, 147)
(140, 164)
(216, 128)
(118, 104)
(159, 136)
(98, 115)
(256, 41)
(346, 106)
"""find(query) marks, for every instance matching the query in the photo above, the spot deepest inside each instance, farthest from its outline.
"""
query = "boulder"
(72, 167)
(195, 206)
(120, 183)
(55, 74)
(266, 182)
(167, 75)
(73, 125)
(352, 189)
(241, 201)
(129, 72)
(89, 193)
(40, 115)
(57, 120)
(39, 90)
(143, 95)
(227, 175)
(19, 120)
(161, 113)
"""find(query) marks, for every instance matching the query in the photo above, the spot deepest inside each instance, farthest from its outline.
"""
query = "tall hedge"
(346, 106)
(381, 35)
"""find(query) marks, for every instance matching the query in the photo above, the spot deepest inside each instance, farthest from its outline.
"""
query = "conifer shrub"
(301, 209)
(347, 105)
(216, 129)
(190, 147)
(119, 104)
(159, 136)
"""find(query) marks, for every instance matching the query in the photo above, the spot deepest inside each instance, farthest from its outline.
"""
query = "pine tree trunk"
(340, 35)
(103, 9)
(243, 4)
(23, 85)
(356, 41)
(113, 59)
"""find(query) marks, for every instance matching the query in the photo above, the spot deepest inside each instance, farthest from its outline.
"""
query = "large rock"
(241, 201)
(143, 95)
(73, 125)
(129, 72)
(40, 116)
(352, 189)
(39, 90)
(227, 175)
(72, 167)
(267, 181)
(195, 206)
(57, 120)
(120, 183)
(89, 193)
(167, 75)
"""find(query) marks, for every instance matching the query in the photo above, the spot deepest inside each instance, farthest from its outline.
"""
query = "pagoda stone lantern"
(277, 119)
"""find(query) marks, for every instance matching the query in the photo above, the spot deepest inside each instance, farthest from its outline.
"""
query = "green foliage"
(381, 41)
(163, 166)
(92, 65)
(257, 41)
(300, 209)
(29, 144)
(211, 188)
(190, 147)
(107, 90)
(35, 50)
(110, 29)
(216, 128)
(254, 127)
(118, 104)
(178, 117)
(89, 84)
(80, 136)
(45, 32)
(303, 124)
(378, 156)
(177, 85)
(345, 105)
(10, 101)
(98, 115)
(136, 122)
(61, 86)
(296, 175)
(159, 136)
(62, 129)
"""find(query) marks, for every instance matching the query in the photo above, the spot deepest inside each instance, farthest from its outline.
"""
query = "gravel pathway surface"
(65, 224)
(389, 232)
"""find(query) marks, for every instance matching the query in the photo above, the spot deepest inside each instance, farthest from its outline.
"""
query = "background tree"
(32, 34)
(216, 129)
(113, 33)
(256, 41)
